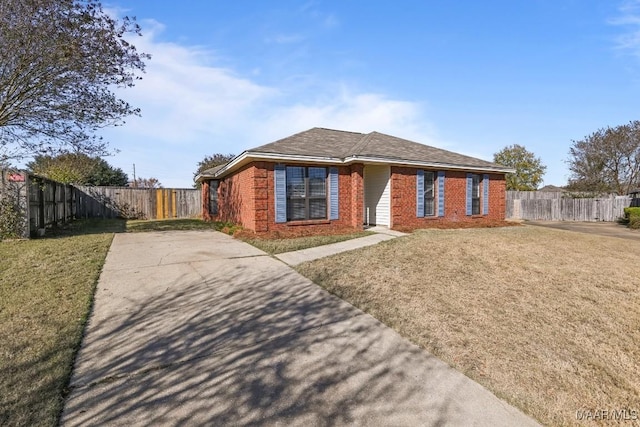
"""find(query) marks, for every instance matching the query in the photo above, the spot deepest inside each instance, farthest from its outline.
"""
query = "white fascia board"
(247, 156)
(434, 165)
(253, 156)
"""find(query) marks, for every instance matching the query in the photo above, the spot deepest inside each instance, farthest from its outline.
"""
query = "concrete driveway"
(196, 328)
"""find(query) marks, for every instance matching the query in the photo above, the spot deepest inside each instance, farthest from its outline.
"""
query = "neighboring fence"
(559, 206)
(42, 202)
(140, 203)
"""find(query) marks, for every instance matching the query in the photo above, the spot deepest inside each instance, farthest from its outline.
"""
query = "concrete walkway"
(196, 328)
(303, 255)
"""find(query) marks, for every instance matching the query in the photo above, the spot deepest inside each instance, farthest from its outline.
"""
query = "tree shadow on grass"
(249, 342)
(81, 227)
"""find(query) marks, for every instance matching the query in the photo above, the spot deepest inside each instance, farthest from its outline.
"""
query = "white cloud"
(191, 107)
(629, 18)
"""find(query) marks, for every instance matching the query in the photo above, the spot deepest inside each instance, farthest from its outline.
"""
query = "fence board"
(140, 203)
(557, 206)
(45, 202)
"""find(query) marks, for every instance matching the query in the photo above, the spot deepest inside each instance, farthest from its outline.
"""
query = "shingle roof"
(320, 142)
(316, 142)
(213, 170)
(343, 146)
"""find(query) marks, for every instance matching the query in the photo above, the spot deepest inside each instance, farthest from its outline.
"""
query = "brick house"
(323, 180)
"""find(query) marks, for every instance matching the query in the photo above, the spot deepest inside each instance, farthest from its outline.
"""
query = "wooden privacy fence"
(137, 203)
(558, 206)
(42, 202)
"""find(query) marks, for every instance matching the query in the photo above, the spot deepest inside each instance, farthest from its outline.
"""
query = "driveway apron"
(196, 328)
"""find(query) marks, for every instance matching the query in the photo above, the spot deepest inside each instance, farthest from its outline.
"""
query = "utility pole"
(135, 182)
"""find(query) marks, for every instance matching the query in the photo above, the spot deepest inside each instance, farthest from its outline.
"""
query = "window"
(213, 197)
(429, 199)
(475, 194)
(306, 193)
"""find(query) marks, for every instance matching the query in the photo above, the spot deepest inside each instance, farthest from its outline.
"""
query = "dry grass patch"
(547, 319)
(46, 289)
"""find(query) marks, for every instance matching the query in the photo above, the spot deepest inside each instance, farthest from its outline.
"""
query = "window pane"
(429, 204)
(475, 206)
(476, 187)
(428, 184)
(296, 209)
(317, 182)
(318, 208)
(295, 181)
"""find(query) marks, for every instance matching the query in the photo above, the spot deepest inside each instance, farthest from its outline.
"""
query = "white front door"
(377, 195)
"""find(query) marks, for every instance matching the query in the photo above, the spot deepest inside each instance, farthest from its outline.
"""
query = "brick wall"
(236, 198)
(403, 198)
(206, 215)
(347, 209)
(248, 198)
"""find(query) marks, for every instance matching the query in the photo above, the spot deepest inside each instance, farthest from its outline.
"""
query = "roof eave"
(249, 156)
(440, 165)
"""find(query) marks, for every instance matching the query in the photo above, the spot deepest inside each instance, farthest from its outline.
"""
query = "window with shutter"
(425, 191)
(473, 194)
(429, 194)
(306, 193)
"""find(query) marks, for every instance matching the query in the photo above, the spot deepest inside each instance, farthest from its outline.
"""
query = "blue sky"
(471, 77)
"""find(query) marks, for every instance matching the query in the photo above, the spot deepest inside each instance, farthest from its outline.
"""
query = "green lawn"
(46, 290)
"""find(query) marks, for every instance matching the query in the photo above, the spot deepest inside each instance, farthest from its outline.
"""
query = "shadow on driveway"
(196, 328)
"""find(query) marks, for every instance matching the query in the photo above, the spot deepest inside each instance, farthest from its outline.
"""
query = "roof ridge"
(364, 141)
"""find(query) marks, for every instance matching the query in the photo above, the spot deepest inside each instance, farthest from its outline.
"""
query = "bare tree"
(145, 183)
(59, 63)
(608, 160)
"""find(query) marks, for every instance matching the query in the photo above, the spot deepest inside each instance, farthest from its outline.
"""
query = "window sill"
(309, 222)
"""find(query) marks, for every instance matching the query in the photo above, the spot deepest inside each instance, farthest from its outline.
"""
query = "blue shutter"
(333, 194)
(420, 193)
(280, 185)
(485, 194)
(441, 193)
(469, 192)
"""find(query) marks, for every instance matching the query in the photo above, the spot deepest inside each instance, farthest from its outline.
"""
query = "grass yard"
(46, 289)
(278, 245)
(547, 319)
(135, 226)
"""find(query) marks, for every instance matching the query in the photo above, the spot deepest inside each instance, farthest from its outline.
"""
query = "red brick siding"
(357, 195)
(346, 209)
(236, 198)
(248, 198)
(206, 215)
(403, 198)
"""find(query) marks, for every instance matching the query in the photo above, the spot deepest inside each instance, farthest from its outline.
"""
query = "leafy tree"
(59, 63)
(210, 162)
(608, 160)
(78, 168)
(145, 183)
(529, 168)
